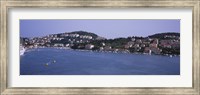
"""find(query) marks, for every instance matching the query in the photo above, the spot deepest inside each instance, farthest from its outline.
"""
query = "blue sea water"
(73, 62)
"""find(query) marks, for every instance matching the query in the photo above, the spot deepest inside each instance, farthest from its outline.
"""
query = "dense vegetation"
(163, 35)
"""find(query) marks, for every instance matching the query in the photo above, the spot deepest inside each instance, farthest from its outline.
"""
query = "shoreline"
(104, 51)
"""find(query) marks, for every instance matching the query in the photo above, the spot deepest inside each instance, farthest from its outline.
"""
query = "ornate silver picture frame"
(5, 5)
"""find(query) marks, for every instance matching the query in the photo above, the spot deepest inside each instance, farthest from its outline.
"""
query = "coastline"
(104, 51)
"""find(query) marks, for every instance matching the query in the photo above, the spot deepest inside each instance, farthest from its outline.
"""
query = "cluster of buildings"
(143, 45)
(75, 35)
(57, 40)
(147, 46)
(154, 45)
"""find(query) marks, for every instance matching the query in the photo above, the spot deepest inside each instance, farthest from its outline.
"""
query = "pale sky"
(105, 28)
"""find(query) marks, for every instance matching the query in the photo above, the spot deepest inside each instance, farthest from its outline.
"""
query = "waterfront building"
(155, 50)
(127, 46)
(101, 48)
(58, 45)
(89, 46)
(107, 48)
(147, 50)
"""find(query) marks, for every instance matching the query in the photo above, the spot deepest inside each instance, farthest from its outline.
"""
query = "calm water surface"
(72, 62)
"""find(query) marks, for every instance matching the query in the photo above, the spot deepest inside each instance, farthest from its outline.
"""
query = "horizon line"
(99, 35)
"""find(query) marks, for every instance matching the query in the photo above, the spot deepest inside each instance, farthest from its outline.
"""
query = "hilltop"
(84, 33)
(168, 35)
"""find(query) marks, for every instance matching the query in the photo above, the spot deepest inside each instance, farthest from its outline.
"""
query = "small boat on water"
(22, 50)
(46, 64)
(51, 62)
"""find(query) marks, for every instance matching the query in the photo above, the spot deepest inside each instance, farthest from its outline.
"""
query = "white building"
(89, 46)
(58, 45)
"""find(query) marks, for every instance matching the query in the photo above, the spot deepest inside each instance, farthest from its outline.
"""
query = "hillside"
(84, 33)
(168, 35)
